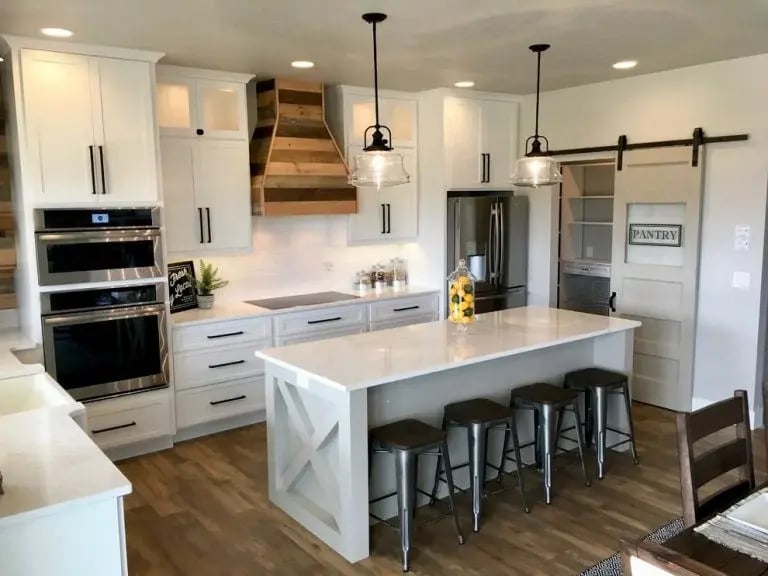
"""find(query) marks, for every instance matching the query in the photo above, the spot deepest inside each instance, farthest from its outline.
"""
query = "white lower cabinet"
(114, 423)
(403, 312)
(219, 382)
(219, 401)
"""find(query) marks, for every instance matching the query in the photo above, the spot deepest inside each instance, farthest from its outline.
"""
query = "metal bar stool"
(597, 384)
(549, 403)
(407, 440)
(479, 416)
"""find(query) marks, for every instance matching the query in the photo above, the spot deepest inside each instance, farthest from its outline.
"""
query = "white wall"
(289, 256)
(723, 98)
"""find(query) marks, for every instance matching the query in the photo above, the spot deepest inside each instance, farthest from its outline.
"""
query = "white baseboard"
(699, 403)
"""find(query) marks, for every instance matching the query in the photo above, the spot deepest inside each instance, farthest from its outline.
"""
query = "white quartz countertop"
(48, 462)
(238, 310)
(10, 366)
(374, 358)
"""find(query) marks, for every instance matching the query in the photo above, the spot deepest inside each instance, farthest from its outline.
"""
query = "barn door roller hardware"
(696, 142)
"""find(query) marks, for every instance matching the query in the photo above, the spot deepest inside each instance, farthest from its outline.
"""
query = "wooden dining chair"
(696, 470)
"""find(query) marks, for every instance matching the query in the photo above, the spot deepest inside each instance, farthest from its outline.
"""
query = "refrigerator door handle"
(500, 230)
(492, 245)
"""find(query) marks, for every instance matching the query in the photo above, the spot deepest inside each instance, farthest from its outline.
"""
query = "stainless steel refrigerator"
(489, 230)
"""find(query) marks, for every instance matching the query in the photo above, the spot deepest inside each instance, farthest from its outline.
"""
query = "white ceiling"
(424, 44)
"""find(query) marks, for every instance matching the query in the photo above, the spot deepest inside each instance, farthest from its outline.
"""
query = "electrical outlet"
(328, 266)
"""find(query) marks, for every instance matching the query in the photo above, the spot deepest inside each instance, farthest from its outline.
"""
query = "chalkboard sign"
(182, 286)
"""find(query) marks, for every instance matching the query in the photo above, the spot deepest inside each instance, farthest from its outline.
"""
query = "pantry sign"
(656, 234)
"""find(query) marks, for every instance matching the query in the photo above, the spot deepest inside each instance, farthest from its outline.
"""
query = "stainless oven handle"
(99, 235)
(104, 315)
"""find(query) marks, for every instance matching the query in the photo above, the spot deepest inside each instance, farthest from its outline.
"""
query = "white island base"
(323, 397)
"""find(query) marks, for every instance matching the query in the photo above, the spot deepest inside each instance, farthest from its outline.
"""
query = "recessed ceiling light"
(57, 32)
(2, 59)
(302, 64)
(625, 64)
(464, 84)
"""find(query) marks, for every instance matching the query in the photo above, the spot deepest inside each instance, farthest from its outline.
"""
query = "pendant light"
(378, 165)
(537, 168)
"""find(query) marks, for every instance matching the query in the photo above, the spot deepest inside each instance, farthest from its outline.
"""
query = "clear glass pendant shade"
(535, 171)
(378, 169)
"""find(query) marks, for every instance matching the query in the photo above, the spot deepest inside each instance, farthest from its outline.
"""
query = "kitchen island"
(324, 396)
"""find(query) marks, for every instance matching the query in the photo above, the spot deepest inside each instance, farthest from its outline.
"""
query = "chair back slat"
(719, 461)
(696, 471)
(715, 417)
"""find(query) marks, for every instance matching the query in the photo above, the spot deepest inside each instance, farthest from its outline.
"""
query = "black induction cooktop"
(302, 300)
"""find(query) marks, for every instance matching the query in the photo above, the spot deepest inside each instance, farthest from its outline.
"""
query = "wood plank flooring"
(202, 508)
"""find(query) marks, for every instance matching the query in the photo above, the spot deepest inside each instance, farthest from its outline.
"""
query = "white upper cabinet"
(399, 114)
(205, 159)
(89, 126)
(202, 103)
(127, 144)
(481, 142)
(388, 214)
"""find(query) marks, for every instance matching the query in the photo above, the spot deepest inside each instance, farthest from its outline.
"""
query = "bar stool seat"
(478, 416)
(542, 393)
(476, 411)
(407, 440)
(597, 383)
(548, 402)
(407, 435)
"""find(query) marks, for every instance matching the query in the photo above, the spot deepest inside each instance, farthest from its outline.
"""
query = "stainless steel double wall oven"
(103, 336)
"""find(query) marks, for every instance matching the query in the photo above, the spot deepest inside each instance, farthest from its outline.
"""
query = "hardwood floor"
(201, 508)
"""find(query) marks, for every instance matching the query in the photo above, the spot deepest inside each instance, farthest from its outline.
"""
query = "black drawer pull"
(227, 335)
(324, 320)
(406, 308)
(225, 364)
(111, 428)
(235, 399)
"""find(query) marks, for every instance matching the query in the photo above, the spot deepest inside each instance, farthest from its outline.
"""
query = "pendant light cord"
(538, 85)
(376, 76)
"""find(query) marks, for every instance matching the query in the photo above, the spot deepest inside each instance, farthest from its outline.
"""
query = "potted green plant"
(208, 282)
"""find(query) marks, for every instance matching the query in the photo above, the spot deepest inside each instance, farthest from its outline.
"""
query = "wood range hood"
(296, 166)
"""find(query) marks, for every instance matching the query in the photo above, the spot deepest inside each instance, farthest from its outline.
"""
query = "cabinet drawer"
(219, 401)
(313, 336)
(322, 320)
(415, 306)
(404, 321)
(591, 269)
(194, 369)
(231, 333)
(122, 421)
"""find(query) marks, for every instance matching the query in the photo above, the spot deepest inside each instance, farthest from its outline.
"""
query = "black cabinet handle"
(324, 320)
(200, 218)
(111, 428)
(488, 171)
(199, 131)
(406, 308)
(225, 364)
(208, 217)
(214, 336)
(389, 218)
(93, 170)
(383, 219)
(235, 399)
(103, 175)
(612, 302)
(482, 164)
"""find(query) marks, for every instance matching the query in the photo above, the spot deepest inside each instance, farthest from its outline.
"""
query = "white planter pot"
(205, 301)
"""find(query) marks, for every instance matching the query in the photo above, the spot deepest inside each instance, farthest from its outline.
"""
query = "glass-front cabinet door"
(221, 109)
(176, 111)
(400, 115)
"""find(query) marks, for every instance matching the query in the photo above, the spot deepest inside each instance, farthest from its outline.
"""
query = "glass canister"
(380, 277)
(362, 281)
(461, 295)
(399, 273)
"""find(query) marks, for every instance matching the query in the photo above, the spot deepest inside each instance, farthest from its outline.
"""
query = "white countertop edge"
(53, 509)
(240, 310)
(263, 354)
